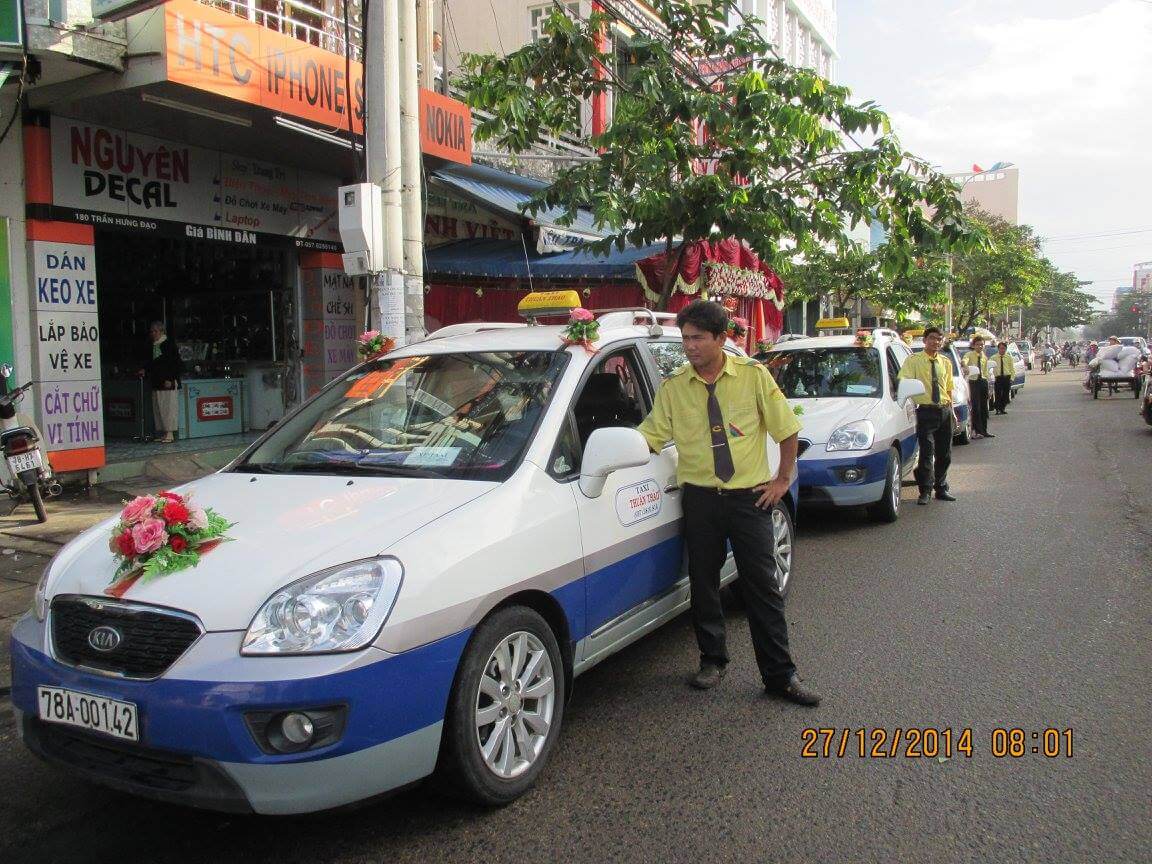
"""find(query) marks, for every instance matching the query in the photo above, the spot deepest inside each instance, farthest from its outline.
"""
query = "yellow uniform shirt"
(1004, 365)
(918, 367)
(753, 408)
(977, 359)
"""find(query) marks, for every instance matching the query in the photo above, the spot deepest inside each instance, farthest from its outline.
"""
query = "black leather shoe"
(796, 691)
(944, 495)
(708, 677)
(989, 435)
(923, 499)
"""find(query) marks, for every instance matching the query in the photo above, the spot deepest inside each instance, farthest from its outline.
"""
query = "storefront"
(236, 256)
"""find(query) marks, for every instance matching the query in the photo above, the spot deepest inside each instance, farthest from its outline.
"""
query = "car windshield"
(462, 416)
(811, 373)
(951, 359)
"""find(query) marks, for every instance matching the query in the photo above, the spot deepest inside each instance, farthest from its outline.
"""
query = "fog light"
(852, 475)
(297, 728)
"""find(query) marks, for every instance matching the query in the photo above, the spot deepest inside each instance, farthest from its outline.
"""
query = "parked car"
(1027, 352)
(961, 397)
(990, 351)
(423, 556)
(859, 435)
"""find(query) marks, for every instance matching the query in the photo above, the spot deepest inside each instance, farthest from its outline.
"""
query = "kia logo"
(104, 638)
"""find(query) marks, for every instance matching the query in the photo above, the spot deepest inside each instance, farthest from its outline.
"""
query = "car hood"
(285, 528)
(822, 417)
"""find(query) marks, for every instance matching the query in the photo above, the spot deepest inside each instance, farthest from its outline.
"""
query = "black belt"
(716, 490)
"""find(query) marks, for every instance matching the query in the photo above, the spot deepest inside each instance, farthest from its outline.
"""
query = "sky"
(1061, 88)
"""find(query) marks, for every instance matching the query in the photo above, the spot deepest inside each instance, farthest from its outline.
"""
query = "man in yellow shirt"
(978, 386)
(719, 410)
(1004, 368)
(934, 418)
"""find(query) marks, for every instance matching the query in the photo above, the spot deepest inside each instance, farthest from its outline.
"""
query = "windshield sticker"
(860, 389)
(441, 457)
(375, 384)
(638, 501)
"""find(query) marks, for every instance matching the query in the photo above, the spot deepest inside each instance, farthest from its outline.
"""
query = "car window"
(809, 373)
(614, 394)
(668, 356)
(893, 370)
(461, 416)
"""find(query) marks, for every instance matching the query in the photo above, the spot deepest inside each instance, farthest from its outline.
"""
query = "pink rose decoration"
(138, 509)
(149, 535)
(582, 314)
(197, 520)
(369, 335)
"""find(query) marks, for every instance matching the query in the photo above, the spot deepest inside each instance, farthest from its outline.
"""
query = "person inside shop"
(162, 369)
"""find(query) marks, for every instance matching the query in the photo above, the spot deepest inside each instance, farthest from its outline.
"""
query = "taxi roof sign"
(833, 324)
(539, 304)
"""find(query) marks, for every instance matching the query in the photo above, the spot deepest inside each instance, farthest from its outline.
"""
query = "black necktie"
(721, 454)
(935, 382)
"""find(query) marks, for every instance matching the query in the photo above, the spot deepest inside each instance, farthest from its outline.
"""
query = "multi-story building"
(995, 190)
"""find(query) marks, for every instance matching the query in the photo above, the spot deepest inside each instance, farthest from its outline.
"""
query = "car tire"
(783, 551)
(965, 434)
(512, 654)
(887, 509)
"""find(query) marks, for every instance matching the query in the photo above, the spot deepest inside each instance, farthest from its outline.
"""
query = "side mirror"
(973, 371)
(6, 370)
(609, 449)
(908, 388)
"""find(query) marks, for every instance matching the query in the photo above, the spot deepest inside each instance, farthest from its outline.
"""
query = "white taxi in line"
(423, 557)
(859, 435)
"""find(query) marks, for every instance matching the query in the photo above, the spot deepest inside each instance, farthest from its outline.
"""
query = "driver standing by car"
(719, 410)
(934, 418)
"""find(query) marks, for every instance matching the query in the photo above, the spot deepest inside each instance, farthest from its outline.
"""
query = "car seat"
(604, 402)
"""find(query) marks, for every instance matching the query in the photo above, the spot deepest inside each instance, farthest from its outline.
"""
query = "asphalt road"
(1025, 604)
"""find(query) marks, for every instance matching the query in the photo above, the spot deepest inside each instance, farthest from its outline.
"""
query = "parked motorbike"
(31, 473)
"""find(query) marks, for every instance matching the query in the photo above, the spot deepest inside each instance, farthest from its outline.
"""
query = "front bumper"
(823, 483)
(197, 749)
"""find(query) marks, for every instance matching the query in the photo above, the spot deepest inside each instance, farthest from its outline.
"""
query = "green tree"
(778, 167)
(1058, 303)
(1002, 272)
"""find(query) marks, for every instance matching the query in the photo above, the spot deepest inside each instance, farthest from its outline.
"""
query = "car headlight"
(339, 609)
(857, 435)
(40, 598)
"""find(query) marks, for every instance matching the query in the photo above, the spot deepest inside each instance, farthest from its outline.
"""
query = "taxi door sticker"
(638, 501)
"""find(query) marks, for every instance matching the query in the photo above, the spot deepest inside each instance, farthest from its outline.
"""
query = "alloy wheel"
(782, 547)
(514, 705)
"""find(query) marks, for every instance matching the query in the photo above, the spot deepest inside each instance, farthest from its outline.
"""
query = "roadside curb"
(28, 544)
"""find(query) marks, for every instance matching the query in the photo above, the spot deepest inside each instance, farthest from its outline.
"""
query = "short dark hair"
(977, 338)
(1001, 342)
(928, 331)
(704, 315)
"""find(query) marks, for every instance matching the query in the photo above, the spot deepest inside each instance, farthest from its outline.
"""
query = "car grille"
(139, 770)
(151, 639)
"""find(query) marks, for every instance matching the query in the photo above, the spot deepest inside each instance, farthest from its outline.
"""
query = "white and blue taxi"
(424, 555)
(859, 435)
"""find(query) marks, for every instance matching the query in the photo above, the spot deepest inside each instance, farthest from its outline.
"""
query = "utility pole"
(382, 142)
(410, 170)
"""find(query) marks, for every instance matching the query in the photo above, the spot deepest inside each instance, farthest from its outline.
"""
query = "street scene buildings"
(361, 364)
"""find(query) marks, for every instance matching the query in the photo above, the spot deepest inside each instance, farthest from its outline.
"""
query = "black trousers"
(1003, 392)
(711, 521)
(979, 400)
(934, 434)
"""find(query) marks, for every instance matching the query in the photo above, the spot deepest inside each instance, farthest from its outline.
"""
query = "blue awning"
(508, 193)
(509, 259)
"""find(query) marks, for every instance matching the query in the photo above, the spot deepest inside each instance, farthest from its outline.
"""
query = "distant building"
(1142, 278)
(995, 190)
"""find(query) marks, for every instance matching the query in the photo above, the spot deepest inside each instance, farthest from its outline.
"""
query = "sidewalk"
(26, 546)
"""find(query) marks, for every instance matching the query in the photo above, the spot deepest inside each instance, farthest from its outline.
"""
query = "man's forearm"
(788, 448)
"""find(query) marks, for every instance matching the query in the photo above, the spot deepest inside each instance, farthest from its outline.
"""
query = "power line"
(1073, 237)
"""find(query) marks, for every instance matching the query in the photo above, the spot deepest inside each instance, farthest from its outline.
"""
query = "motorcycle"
(1046, 364)
(31, 473)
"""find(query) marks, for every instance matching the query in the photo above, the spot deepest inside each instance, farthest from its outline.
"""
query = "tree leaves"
(781, 165)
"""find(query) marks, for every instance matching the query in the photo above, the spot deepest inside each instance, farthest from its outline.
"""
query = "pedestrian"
(162, 369)
(1004, 370)
(719, 409)
(978, 386)
(935, 420)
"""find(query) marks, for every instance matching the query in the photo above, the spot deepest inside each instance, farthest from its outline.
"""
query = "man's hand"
(771, 492)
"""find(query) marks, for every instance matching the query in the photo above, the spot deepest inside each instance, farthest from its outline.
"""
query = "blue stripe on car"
(825, 472)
